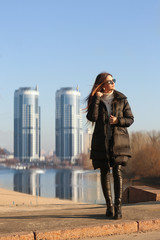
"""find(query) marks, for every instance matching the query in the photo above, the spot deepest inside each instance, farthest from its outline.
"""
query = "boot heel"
(109, 211)
(118, 212)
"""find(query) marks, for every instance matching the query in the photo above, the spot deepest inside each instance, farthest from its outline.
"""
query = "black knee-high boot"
(117, 174)
(106, 188)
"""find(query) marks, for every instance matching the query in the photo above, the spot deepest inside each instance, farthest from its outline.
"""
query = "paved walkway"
(25, 217)
(74, 221)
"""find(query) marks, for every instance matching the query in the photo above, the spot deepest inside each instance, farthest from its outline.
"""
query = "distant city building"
(27, 125)
(87, 137)
(69, 134)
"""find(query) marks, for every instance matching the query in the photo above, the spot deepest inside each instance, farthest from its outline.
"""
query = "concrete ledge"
(95, 231)
(149, 225)
(18, 236)
(138, 194)
(92, 231)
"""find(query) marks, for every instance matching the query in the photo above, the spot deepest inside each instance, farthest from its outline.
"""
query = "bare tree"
(145, 161)
(154, 136)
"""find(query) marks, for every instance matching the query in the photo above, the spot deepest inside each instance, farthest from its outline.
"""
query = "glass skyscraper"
(26, 125)
(68, 125)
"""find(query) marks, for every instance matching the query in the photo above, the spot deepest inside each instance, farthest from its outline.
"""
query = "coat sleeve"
(93, 109)
(128, 117)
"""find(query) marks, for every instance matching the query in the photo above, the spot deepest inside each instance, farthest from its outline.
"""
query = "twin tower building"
(27, 125)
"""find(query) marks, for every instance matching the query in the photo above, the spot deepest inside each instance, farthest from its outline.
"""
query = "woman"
(110, 147)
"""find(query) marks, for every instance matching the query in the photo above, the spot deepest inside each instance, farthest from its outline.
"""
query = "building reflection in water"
(28, 182)
(64, 184)
(76, 185)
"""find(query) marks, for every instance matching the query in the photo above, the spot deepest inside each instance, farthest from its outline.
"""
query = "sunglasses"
(111, 81)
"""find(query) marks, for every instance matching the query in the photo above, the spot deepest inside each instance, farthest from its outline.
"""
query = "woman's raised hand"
(113, 120)
(100, 94)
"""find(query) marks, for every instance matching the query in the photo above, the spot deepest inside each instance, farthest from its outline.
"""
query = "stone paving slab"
(91, 231)
(18, 236)
(152, 235)
(149, 225)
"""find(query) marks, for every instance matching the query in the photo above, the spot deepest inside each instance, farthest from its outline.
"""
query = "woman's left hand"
(113, 120)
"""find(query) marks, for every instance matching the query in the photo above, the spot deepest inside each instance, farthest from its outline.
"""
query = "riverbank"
(10, 198)
(64, 219)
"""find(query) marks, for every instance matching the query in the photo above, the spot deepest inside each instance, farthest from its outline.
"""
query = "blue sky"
(59, 43)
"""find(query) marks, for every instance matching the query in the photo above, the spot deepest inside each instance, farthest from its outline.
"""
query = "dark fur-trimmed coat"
(119, 143)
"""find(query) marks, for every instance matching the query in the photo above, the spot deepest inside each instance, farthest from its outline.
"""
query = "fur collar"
(119, 95)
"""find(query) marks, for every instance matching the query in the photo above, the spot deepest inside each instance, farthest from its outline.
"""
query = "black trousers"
(106, 184)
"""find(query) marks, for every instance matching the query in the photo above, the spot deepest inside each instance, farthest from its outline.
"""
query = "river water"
(77, 185)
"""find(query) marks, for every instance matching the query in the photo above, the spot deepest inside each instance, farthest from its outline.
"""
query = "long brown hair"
(98, 85)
